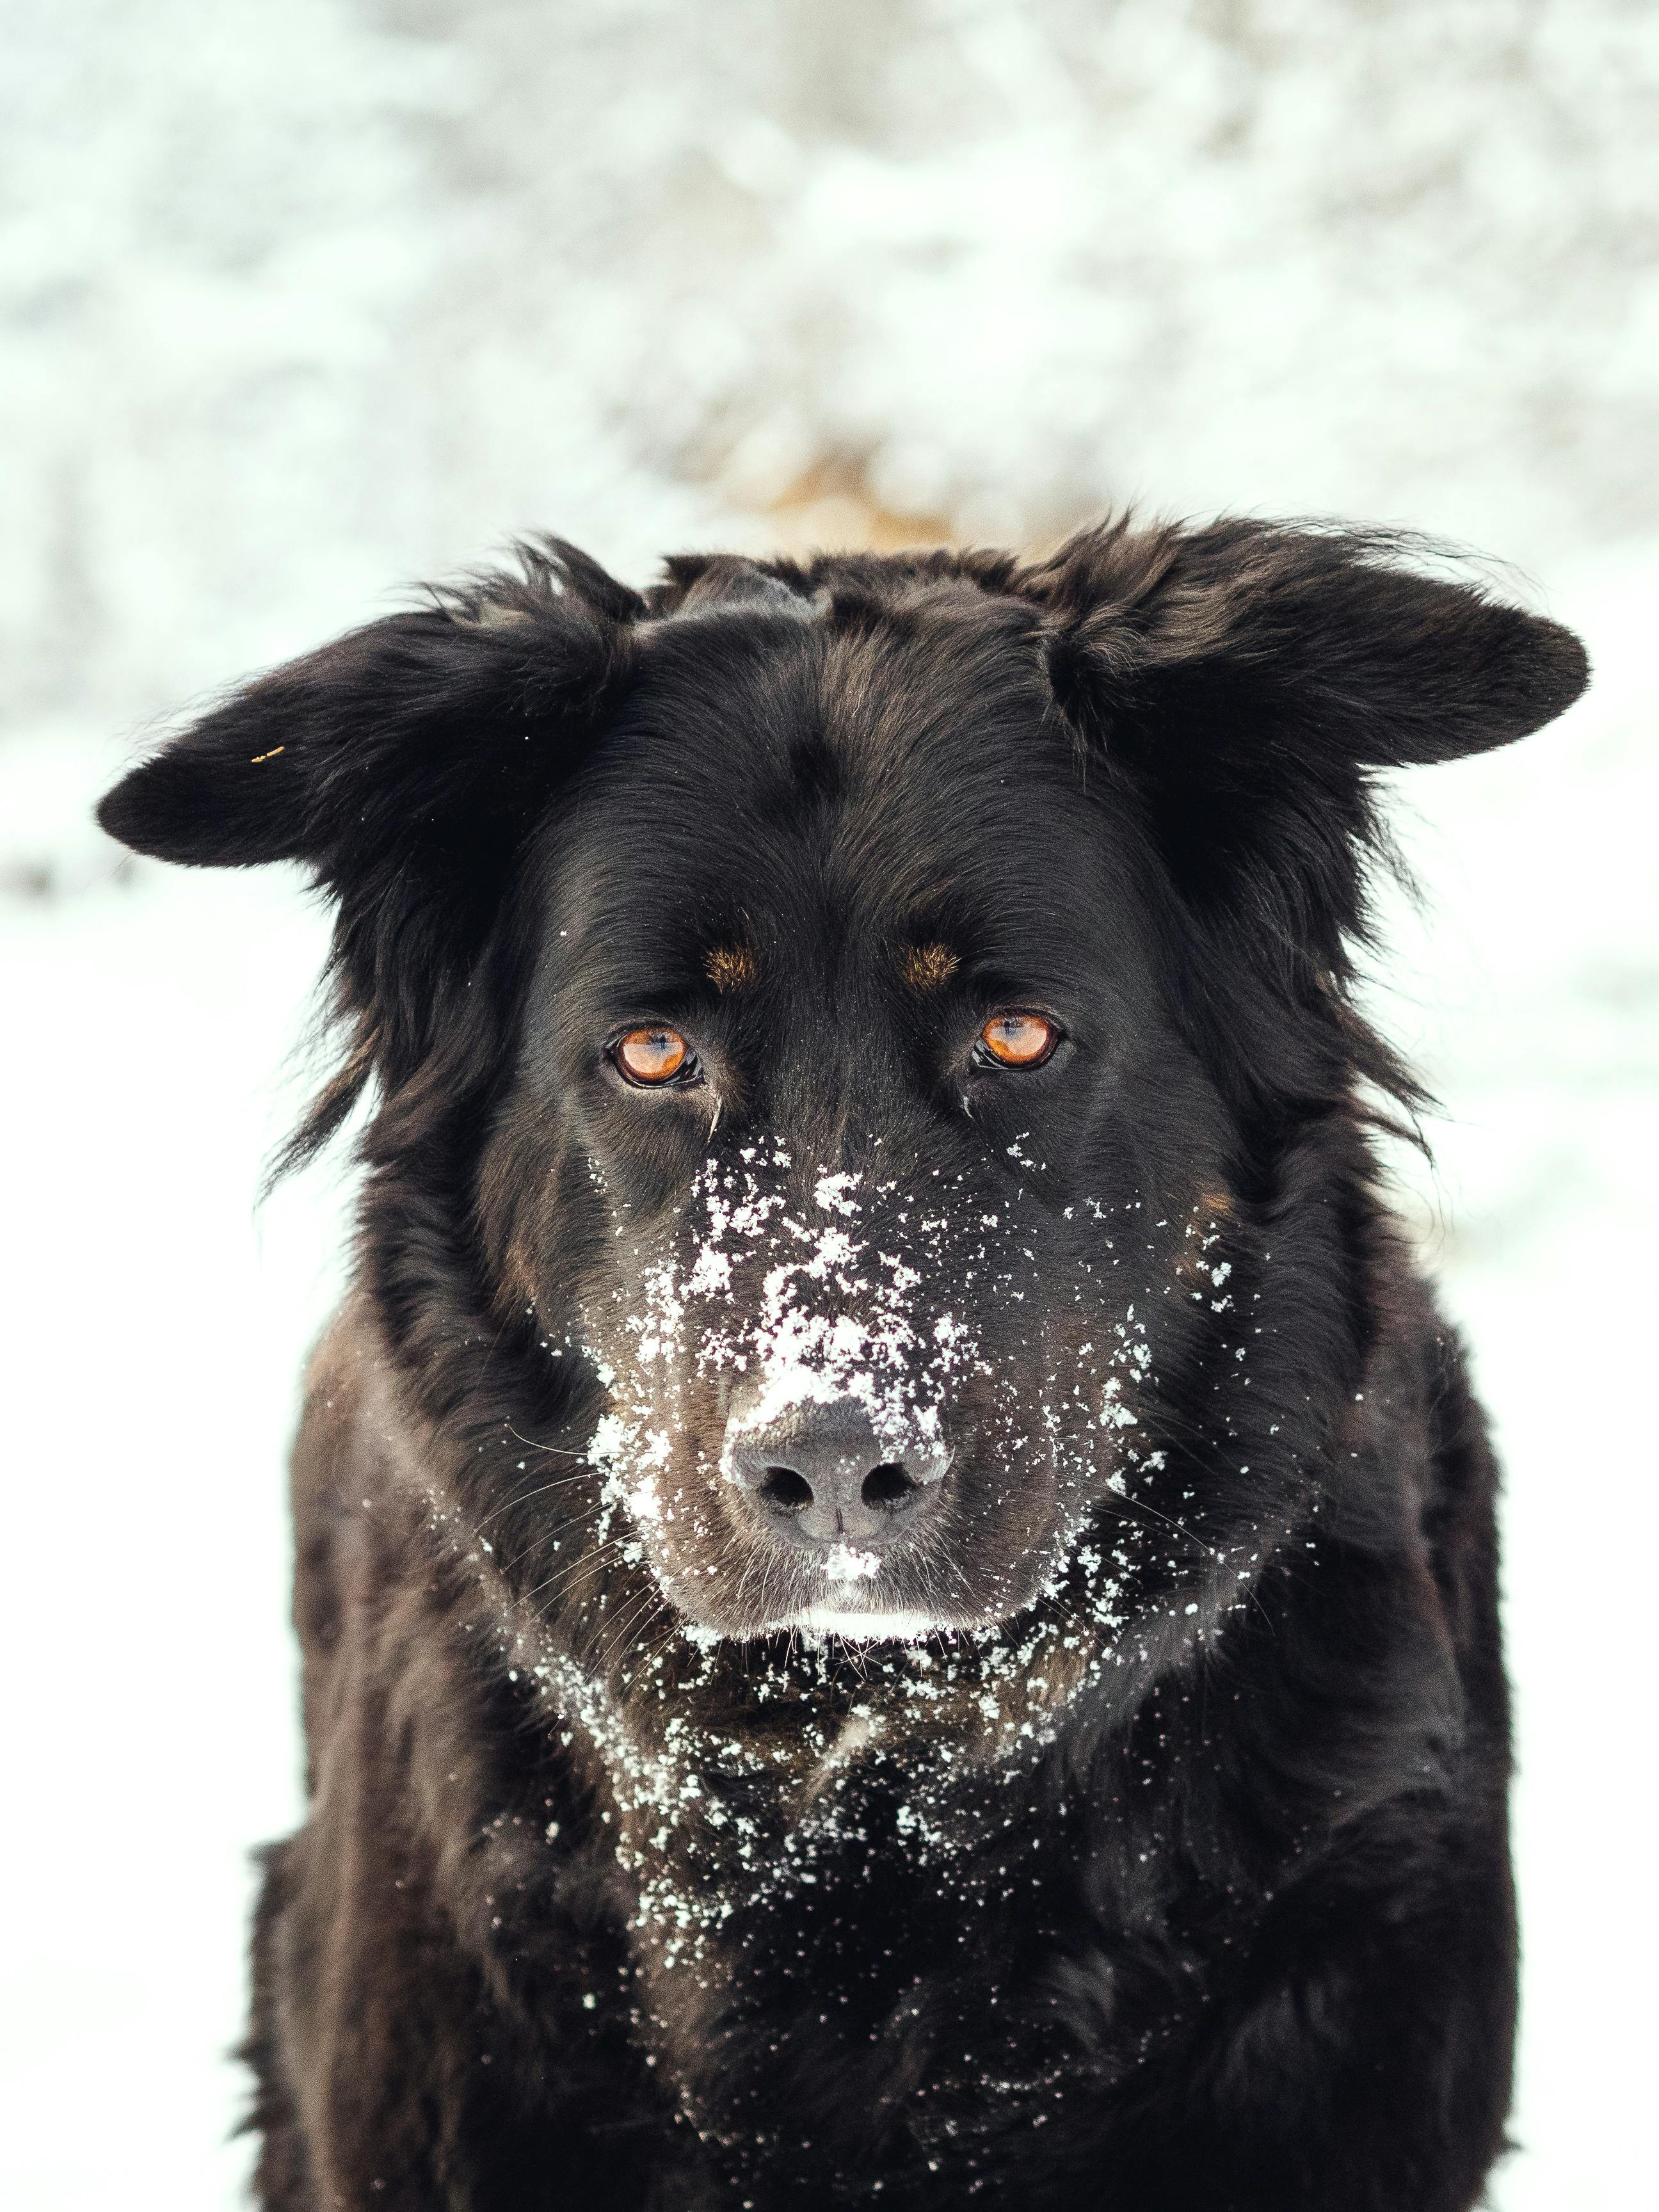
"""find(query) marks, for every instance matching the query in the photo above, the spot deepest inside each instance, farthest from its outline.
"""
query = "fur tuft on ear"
(404, 765)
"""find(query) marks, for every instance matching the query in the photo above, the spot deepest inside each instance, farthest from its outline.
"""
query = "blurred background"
(300, 302)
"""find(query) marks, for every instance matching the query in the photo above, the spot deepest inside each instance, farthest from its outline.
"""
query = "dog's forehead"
(771, 775)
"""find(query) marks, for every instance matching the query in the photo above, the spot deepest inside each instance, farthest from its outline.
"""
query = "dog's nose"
(818, 1475)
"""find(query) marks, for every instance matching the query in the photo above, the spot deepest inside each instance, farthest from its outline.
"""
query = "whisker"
(663, 1643)
(570, 1567)
(523, 1497)
(530, 1443)
(569, 1523)
(643, 1611)
(1126, 1507)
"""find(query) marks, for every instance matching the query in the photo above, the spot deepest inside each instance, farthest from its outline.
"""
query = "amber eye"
(652, 1055)
(1018, 1039)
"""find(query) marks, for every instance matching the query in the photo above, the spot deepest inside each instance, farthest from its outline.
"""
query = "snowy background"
(300, 301)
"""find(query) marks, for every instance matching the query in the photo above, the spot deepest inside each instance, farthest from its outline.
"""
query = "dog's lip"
(900, 1626)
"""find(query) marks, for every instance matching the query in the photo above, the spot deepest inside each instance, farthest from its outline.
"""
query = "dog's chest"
(903, 1929)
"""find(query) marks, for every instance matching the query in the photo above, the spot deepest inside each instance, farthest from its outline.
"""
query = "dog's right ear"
(404, 765)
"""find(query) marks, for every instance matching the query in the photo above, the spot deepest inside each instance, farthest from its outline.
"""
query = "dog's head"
(834, 1017)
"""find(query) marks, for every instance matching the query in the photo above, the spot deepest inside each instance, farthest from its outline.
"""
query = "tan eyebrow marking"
(926, 966)
(729, 967)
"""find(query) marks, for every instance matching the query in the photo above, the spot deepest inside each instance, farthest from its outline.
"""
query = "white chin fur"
(865, 1628)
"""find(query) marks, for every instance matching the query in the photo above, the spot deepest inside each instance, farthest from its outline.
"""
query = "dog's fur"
(1145, 1849)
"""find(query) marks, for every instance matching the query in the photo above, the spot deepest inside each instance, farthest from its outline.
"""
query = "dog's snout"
(820, 1476)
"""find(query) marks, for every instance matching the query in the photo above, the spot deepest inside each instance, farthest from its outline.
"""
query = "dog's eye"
(1017, 1039)
(654, 1055)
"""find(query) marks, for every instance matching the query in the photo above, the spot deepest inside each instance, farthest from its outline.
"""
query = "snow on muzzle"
(800, 1336)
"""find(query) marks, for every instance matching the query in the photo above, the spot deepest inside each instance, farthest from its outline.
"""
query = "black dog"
(896, 1573)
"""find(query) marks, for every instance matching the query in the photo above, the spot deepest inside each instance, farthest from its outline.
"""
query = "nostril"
(886, 1487)
(784, 1490)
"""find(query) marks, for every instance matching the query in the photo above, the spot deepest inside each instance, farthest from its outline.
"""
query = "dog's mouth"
(860, 1592)
(852, 1594)
(901, 1626)
(877, 1542)
(860, 1602)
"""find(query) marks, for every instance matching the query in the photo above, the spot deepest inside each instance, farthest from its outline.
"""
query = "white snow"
(298, 303)
(845, 1563)
(866, 1627)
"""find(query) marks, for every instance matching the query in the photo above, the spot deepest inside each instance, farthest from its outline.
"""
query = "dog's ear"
(404, 745)
(1248, 677)
(404, 765)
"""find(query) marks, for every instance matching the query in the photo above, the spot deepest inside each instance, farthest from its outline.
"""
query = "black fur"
(1156, 1860)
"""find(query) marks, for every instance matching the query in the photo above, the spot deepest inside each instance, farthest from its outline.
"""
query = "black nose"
(818, 1475)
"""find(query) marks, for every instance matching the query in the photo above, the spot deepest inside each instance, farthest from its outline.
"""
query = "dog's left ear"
(1246, 677)
(404, 765)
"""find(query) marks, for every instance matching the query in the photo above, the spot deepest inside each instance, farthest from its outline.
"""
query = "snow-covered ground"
(299, 302)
